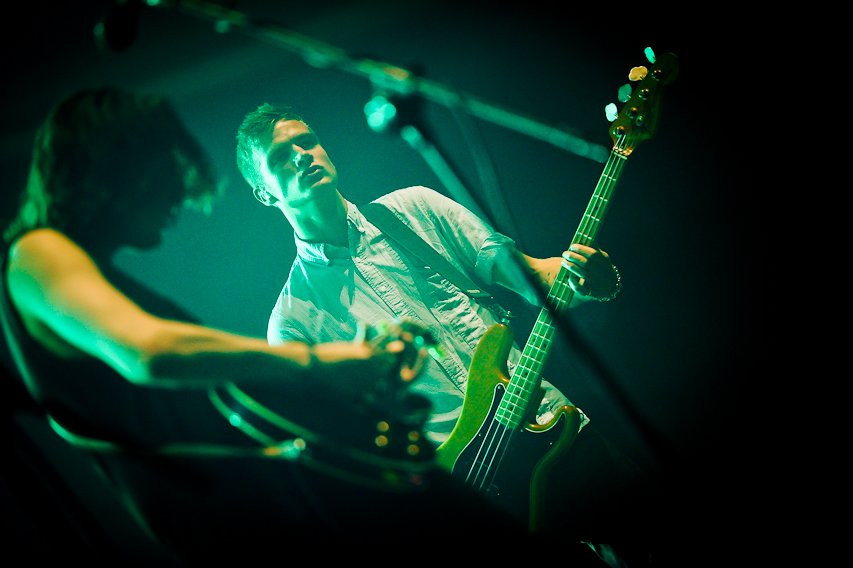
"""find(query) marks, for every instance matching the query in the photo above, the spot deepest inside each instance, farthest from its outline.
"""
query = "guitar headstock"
(638, 119)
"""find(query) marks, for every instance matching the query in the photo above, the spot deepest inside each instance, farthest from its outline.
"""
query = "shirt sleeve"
(470, 242)
(281, 328)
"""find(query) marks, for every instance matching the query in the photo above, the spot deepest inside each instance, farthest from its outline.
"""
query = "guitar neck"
(528, 372)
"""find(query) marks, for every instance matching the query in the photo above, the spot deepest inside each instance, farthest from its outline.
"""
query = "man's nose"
(302, 159)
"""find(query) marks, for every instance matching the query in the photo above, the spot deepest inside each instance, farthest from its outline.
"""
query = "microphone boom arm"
(323, 55)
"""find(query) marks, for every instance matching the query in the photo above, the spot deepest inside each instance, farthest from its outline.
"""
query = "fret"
(540, 331)
(510, 410)
(537, 335)
(524, 369)
(508, 421)
(561, 299)
(507, 411)
(510, 417)
(530, 355)
(528, 361)
(533, 354)
(526, 374)
(513, 389)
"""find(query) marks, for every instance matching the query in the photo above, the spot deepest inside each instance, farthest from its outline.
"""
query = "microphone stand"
(413, 135)
(322, 55)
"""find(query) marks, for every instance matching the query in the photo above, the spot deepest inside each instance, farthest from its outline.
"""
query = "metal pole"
(391, 77)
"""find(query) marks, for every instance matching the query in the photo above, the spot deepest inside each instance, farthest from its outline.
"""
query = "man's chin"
(308, 194)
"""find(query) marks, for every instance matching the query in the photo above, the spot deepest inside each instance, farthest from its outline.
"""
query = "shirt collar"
(326, 253)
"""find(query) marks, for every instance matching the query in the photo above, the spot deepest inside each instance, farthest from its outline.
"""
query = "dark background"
(665, 371)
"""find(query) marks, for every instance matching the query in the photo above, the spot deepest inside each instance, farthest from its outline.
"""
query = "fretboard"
(528, 372)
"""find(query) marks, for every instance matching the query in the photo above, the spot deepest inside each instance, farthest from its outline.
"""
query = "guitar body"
(519, 485)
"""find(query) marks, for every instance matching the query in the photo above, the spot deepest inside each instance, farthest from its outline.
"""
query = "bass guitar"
(497, 428)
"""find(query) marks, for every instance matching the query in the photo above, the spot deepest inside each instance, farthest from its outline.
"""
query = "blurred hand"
(380, 359)
(409, 340)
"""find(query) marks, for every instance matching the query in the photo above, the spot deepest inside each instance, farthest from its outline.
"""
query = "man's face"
(295, 168)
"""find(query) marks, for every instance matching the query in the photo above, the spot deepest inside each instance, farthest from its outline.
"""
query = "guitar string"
(490, 438)
(591, 219)
(482, 474)
(502, 447)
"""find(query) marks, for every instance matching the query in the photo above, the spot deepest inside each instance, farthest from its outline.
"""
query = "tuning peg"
(624, 93)
(611, 112)
(637, 73)
(650, 54)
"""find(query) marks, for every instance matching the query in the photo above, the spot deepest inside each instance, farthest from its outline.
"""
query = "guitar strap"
(394, 228)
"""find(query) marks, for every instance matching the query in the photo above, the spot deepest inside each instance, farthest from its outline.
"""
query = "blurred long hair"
(99, 154)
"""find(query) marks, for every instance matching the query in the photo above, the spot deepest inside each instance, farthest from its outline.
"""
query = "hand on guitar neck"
(592, 274)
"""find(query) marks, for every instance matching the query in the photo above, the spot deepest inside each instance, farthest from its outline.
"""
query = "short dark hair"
(256, 133)
(98, 150)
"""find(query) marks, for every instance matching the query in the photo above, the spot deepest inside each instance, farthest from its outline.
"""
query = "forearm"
(184, 355)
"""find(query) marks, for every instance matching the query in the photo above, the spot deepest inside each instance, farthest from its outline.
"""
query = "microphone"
(118, 28)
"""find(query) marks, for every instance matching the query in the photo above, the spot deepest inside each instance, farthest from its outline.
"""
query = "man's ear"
(262, 195)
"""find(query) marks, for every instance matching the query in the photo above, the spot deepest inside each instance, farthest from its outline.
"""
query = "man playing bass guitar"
(347, 270)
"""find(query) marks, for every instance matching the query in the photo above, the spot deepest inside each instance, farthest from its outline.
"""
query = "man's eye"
(279, 161)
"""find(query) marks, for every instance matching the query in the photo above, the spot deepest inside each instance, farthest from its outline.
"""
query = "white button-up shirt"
(331, 289)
